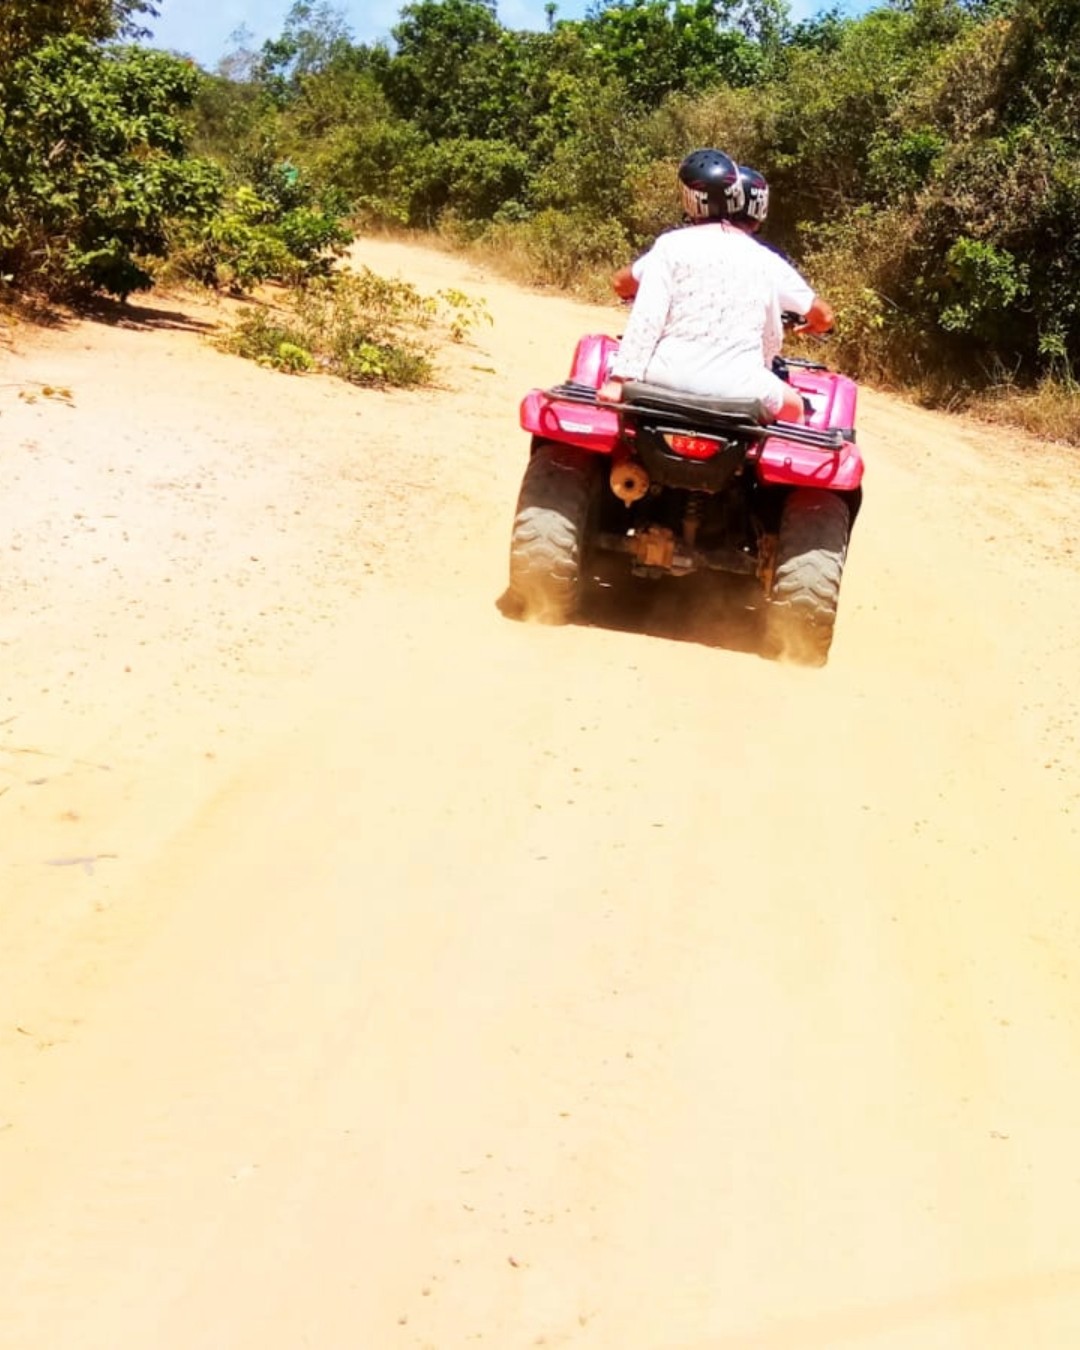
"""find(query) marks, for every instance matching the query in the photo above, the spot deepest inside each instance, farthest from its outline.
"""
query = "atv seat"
(663, 399)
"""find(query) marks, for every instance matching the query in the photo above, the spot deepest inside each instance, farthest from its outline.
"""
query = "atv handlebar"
(799, 362)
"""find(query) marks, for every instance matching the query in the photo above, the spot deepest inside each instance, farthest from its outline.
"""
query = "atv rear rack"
(700, 419)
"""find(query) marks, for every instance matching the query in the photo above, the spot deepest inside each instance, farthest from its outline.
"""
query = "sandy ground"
(377, 972)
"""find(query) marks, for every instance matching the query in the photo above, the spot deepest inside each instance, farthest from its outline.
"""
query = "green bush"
(257, 239)
(984, 284)
(266, 338)
(92, 166)
(231, 251)
(861, 264)
(472, 178)
(356, 325)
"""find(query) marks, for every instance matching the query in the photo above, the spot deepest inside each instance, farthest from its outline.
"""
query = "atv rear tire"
(550, 536)
(810, 553)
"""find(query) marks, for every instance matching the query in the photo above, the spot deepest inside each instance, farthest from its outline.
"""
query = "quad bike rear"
(678, 484)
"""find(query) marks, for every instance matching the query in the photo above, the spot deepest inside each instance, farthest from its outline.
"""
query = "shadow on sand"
(709, 610)
(705, 609)
(166, 315)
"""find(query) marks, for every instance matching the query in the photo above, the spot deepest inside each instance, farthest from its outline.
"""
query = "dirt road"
(377, 972)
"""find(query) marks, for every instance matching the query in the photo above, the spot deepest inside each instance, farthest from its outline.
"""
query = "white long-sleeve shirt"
(706, 318)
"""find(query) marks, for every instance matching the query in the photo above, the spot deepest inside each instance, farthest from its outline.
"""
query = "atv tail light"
(692, 447)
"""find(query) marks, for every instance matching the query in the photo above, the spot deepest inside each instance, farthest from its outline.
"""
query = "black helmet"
(711, 188)
(755, 206)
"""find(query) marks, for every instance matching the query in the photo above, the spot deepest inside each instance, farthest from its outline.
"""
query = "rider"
(706, 314)
(797, 295)
(818, 316)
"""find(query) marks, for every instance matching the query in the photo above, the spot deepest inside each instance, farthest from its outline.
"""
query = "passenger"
(706, 314)
(797, 295)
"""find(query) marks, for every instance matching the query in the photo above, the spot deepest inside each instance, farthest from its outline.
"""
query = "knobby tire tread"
(811, 550)
(548, 541)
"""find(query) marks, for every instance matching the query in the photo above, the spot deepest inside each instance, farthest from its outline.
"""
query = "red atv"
(679, 484)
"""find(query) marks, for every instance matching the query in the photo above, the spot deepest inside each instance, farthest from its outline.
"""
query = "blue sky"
(202, 28)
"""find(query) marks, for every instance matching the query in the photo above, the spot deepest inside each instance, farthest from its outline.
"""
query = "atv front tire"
(550, 536)
(810, 553)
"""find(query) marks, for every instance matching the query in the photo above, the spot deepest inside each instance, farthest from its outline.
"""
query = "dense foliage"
(91, 165)
(26, 24)
(95, 180)
(924, 158)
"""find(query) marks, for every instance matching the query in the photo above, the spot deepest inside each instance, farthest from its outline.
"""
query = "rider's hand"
(625, 284)
(611, 391)
(819, 317)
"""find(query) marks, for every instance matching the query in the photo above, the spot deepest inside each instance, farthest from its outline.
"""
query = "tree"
(25, 24)
(315, 37)
(452, 73)
(657, 47)
(1043, 61)
(92, 164)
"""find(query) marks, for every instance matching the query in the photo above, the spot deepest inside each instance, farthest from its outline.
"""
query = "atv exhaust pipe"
(629, 481)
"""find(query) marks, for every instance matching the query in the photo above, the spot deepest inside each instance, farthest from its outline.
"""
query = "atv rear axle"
(656, 551)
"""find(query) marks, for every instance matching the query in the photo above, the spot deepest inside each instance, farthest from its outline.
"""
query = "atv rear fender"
(779, 462)
(572, 423)
(588, 426)
(593, 358)
(832, 398)
(783, 464)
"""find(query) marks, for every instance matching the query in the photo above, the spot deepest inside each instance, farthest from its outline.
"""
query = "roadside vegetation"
(924, 160)
(356, 325)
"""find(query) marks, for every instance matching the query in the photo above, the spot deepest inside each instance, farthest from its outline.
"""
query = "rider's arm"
(798, 297)
(627, 280)
(646, 322)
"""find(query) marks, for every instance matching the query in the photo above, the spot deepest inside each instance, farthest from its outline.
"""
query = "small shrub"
(463, 313)
(1049, 409)
(291, 358)
(357, 325)
(264, 337)
(383, 364)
